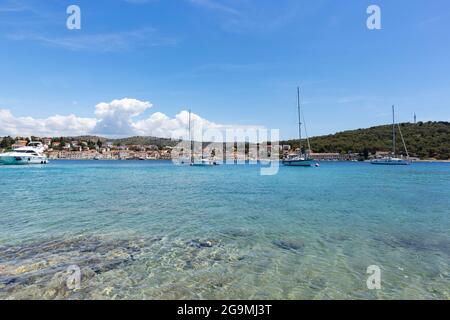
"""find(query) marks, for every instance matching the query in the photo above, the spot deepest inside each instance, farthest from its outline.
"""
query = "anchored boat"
(394, 160)
(204, 161)
(33, 153)
(303, 158)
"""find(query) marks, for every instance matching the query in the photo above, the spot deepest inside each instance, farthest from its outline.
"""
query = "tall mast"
(190, 139)
(190, 125)
(393, 129)
(299, 118)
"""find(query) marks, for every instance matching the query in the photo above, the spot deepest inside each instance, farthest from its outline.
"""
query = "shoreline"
(320, 161)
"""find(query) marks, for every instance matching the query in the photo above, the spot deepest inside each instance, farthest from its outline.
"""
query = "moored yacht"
(300, 160)
(303, 158)
(394, 160)
(204, 163)
(191, 160)
(33, 153)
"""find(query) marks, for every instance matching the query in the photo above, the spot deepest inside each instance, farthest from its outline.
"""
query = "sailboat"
(303, 158)
(203, 162)
(394, 160)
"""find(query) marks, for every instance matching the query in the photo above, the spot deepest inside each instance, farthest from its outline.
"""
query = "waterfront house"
(19, 143)
(47, 141)
(152, 148)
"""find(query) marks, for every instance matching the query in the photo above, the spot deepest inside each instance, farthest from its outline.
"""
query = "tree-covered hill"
(141, 140)
(424, 140)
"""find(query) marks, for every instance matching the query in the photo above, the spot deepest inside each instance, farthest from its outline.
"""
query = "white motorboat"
(33, 153)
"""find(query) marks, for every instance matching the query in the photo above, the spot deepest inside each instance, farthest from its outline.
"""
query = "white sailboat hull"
(391, 162)
(299, 163)
(204, 163)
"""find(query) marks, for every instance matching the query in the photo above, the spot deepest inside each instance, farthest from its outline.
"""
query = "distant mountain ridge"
(136, 140)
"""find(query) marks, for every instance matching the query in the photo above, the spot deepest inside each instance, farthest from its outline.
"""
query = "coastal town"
(87, 149)
(96, 149)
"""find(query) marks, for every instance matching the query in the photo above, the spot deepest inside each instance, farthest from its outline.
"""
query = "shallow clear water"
(152, 230)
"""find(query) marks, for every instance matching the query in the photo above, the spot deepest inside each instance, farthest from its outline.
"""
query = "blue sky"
(234, 62)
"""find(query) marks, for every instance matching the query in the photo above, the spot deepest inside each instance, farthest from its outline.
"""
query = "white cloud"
(238, 16)
(215, 5)
(52, 126)
(140, 1)
(115, 119)
(158, 124)
(9, 6)
(99, 42)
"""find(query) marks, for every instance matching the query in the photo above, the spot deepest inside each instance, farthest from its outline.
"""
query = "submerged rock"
(340, 237)
(415, 242)
(291, 245)
(110, 268)
(238, 233)
(45, 263)
(199, 244)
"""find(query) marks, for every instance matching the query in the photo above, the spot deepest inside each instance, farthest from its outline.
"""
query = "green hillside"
(141, 140)
(424, 140)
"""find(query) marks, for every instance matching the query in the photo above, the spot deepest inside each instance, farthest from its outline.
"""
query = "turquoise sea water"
(152, 230)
